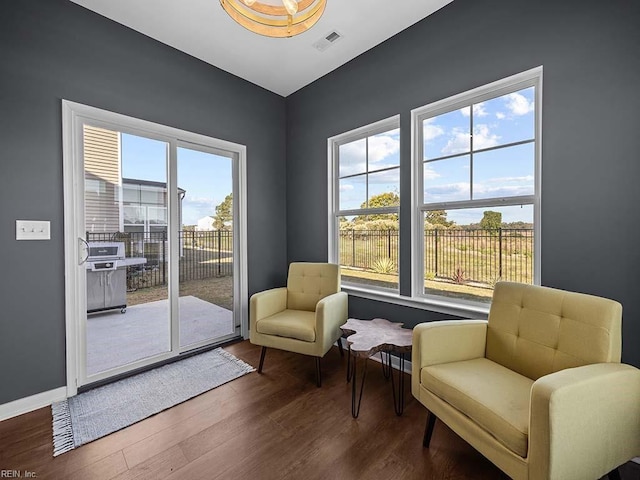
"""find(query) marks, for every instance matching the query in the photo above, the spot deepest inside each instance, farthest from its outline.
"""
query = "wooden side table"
(368, 337)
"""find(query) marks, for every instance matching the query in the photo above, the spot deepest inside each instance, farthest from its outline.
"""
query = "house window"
(477, 191)
(364, 193)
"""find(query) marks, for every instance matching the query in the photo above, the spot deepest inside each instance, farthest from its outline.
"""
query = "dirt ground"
(217, 290)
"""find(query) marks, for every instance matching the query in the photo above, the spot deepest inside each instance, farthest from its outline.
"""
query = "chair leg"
(318, 373)
(614, 474)
(264, 351)
(428, 430)
(340, 347)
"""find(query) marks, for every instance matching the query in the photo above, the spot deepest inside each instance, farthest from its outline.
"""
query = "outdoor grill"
(106, 267)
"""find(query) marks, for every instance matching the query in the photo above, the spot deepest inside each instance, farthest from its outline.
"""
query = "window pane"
(153, 195)
(447, 134)
(352, 157)
(368, 250)
(467, 251)
(133, 215)
(447, 180)
(353, 192)
(506, 119)
(383, 188)
(384, 150)
(504, 172)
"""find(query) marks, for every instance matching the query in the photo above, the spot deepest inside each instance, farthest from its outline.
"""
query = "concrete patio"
(115, 339)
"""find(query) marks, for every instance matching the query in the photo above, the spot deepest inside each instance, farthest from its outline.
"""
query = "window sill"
(440, 306)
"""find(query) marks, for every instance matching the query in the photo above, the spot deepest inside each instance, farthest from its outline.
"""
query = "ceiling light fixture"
(273, 20)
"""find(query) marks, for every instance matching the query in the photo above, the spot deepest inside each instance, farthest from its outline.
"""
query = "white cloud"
(500, 115)
(518, 104)
(524, 179)
(430, 173)
(381, 147)
(478, 110)
(458, 143)
(431, 130)
(345, 187)
(483, 138)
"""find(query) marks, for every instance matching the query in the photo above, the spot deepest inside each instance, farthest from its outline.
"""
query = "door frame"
(74, 115)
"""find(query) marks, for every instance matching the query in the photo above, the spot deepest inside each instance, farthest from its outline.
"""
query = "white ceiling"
(203, 29)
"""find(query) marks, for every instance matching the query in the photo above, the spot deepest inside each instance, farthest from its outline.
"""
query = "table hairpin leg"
(398, 400)
(349, 364)
(355, 406)
(386, 367)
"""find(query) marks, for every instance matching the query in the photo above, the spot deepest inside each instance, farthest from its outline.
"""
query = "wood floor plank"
(158, 467)
(276, 425)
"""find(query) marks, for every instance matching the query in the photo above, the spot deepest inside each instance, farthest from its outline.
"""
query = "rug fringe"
(245, 366)
(62, 430)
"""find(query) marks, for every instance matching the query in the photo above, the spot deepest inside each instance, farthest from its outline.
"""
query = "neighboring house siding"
(102, 179)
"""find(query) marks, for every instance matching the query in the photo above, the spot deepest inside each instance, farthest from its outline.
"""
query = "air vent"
(326, 41)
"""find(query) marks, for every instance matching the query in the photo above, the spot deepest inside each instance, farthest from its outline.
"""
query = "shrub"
(384, 265)
(459, 276)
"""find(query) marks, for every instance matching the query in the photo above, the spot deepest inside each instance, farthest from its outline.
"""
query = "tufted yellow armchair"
(303, 317)
(538, 389)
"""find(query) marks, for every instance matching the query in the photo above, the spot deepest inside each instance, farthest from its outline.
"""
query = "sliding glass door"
(155, 246)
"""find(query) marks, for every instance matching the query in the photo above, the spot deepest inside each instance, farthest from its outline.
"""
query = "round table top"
(368, 337)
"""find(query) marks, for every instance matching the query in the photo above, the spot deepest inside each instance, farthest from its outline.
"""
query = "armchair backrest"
(308, 283)
(537, 330)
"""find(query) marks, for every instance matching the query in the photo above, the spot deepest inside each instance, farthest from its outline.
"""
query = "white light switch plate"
(33, 230)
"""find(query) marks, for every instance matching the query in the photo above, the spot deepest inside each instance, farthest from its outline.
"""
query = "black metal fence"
(461, 255)
(202, 255)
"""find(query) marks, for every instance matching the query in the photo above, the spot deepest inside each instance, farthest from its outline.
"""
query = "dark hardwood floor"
(272, 426)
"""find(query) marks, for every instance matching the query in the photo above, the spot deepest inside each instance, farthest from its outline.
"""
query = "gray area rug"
(115, 339)
(104, 410)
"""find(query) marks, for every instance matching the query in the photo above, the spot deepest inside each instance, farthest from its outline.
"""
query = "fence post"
(164, 258)
(219, 249)
(389, 241)
(500, 252)
(435, 236)
(353, 248)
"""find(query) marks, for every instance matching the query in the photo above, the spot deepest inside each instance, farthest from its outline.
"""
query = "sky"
(207, 178)
(502, 172)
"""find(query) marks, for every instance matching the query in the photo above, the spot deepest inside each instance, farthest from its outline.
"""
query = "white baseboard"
(395, 361)
(34, 402)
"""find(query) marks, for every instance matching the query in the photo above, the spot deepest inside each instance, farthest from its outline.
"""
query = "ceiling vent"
(328, 40)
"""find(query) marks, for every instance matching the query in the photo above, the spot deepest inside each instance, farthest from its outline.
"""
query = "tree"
(224, 214)
(491, 220)
(387, 199)
(438, 217)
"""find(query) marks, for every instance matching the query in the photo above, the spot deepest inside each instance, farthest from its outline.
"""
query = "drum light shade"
(292, 18)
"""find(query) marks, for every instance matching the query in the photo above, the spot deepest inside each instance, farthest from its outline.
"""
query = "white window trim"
(333, 143)
(528, 78)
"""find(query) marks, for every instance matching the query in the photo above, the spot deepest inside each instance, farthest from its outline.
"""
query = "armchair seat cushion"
(496, 398)
(297, 324)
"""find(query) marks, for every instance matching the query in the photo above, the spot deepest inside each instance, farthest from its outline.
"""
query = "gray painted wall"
(590, 53)
(54, 49)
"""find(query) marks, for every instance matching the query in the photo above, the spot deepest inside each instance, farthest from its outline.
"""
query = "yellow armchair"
(538, 389)
(303, 317)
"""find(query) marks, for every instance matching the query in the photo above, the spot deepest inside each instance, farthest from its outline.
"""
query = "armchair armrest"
(444, 342)
(264, 304)
(584, 422)
(331, 312)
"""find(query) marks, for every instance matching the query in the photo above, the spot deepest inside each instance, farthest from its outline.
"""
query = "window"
(477, 191)
(364, 198)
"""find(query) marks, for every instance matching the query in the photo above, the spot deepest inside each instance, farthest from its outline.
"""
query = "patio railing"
(202, 255)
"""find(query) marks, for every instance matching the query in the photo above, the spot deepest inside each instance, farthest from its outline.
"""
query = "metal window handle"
(86, 246)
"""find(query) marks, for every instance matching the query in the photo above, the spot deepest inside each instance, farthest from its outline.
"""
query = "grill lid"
(105, 251)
